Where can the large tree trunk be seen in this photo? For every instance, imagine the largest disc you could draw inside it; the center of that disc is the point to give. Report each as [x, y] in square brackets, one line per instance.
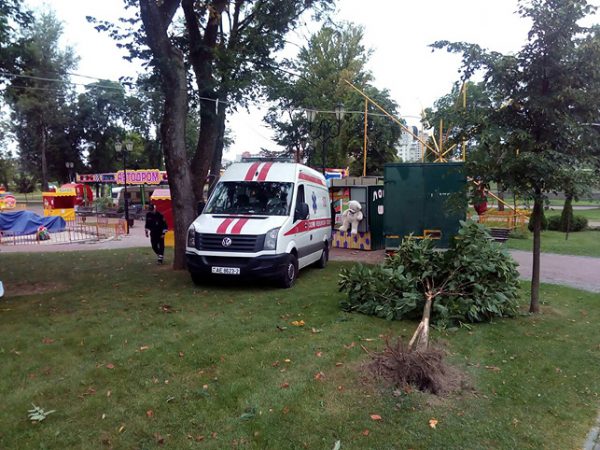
[538, 211]
[202, 57]
[501, 197]
[169, 61]
[205, 149]
[215, 167]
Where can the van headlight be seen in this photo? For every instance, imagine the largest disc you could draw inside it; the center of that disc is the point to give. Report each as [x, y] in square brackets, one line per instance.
[191, 237]
[271, 239]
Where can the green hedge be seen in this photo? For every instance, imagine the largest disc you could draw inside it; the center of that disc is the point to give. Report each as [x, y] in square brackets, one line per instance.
[579, 223]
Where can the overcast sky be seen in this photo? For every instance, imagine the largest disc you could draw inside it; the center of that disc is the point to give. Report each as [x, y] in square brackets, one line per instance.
[398, 32]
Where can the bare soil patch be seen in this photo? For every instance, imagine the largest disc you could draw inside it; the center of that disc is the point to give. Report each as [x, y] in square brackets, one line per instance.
[22, 289]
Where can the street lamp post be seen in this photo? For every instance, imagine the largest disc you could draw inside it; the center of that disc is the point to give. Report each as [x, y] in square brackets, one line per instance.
[125, 147]
[325, 129]
[69, 165]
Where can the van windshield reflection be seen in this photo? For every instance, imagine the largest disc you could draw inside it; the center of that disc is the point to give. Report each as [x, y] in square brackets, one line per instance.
[251, 197]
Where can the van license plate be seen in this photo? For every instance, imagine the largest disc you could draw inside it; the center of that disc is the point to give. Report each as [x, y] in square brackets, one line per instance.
[226, 270]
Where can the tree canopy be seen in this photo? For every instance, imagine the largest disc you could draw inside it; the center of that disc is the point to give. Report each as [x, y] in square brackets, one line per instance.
[541, 101]
[315, 79]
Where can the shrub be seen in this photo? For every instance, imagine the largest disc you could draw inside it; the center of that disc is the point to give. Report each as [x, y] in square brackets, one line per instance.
[479, 281]
[102, 203]
[518, 234]
[544, 223]
[579, 223]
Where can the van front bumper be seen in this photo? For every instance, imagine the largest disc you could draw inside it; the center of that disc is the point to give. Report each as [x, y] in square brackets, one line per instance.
[265, 266]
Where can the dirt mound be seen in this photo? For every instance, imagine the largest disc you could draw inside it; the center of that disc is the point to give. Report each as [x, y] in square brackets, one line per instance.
[423, 370]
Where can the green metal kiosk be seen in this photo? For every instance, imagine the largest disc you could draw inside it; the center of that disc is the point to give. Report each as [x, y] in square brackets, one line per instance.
[423, 200]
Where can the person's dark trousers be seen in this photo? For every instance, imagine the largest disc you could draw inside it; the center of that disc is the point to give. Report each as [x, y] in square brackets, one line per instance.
[158, 245]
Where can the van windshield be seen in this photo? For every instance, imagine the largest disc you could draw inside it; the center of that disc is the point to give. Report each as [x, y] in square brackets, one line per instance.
[251, 197]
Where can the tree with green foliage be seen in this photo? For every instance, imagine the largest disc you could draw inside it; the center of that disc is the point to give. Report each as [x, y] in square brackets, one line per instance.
[229, 45]
[541, 99]
[39, 96]
[101, 113]
[315, 79]
[474, 281]
[168, 61]
[14, 16]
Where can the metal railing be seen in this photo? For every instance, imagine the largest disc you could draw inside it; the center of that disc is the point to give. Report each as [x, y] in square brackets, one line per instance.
[82, 229]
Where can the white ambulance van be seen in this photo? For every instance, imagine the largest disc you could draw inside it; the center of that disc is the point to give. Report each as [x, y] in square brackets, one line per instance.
[263, 219]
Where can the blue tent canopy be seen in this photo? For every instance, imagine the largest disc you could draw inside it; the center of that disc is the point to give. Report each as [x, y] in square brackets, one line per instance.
[26, 222]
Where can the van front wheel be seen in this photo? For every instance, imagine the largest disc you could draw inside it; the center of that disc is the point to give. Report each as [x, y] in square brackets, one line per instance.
[196, 278]
[290, 272]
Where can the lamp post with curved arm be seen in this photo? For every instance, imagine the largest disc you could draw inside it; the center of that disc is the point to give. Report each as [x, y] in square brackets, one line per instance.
[324, 130]
[125, 147]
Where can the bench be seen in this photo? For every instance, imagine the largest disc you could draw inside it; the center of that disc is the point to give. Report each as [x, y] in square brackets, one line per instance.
[500, 234]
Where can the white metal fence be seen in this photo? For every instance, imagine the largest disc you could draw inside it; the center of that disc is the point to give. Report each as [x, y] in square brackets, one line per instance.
[85, 228]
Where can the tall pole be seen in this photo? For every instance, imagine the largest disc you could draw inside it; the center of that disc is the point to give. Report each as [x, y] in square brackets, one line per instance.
[126, 199]
[365, 140]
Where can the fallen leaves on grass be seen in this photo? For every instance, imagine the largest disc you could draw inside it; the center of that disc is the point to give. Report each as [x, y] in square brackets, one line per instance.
[110, 366]
[167, 308]
[47, 340]
[318, 354]
[493, 368]
[365, 432]
[143, 348]
[298, 323]
[349, 346]
[149, 414]
[376, 417]
[159, 439]
[285, 385]
[433, 423]
[319, 376]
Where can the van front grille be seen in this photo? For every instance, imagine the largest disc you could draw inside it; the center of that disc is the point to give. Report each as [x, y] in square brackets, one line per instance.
[239, 242]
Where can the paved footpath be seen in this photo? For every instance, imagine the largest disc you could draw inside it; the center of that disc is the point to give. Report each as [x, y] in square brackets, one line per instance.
[582, 272]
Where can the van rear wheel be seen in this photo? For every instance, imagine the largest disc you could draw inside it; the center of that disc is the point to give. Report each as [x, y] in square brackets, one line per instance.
[322, 262]
[290, 272]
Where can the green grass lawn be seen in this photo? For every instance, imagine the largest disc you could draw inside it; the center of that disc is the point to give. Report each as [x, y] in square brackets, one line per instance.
[132, 355]
[582, 202]
[590, 214]
[582, 243]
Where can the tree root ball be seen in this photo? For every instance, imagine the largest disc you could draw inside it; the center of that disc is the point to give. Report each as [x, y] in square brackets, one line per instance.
[424, 370]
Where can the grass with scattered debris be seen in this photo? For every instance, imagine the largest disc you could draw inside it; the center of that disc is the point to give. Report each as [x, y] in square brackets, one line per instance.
[132, 355]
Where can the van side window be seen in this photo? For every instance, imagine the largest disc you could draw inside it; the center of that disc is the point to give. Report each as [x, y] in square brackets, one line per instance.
[300, 197]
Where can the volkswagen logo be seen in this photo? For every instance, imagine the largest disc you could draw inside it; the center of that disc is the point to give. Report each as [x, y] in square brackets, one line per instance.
[226, 242]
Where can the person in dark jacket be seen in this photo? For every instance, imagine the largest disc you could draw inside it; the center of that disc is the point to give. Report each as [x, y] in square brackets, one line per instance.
[156, 227]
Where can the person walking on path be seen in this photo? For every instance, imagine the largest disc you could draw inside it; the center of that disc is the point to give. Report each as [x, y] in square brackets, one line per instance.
[156, 227]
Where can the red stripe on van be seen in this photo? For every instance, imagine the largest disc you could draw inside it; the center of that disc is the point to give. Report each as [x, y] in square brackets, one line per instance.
[262, 176]
[251, 171]
[310, 178]
[307, 225]
[237, 228]
[222, 229]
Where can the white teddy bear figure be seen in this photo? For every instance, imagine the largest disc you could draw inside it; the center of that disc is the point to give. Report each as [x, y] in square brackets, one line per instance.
[352, 217]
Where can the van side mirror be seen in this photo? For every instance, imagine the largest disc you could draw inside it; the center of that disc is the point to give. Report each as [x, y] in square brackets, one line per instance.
[301, 212]
[200, 207]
